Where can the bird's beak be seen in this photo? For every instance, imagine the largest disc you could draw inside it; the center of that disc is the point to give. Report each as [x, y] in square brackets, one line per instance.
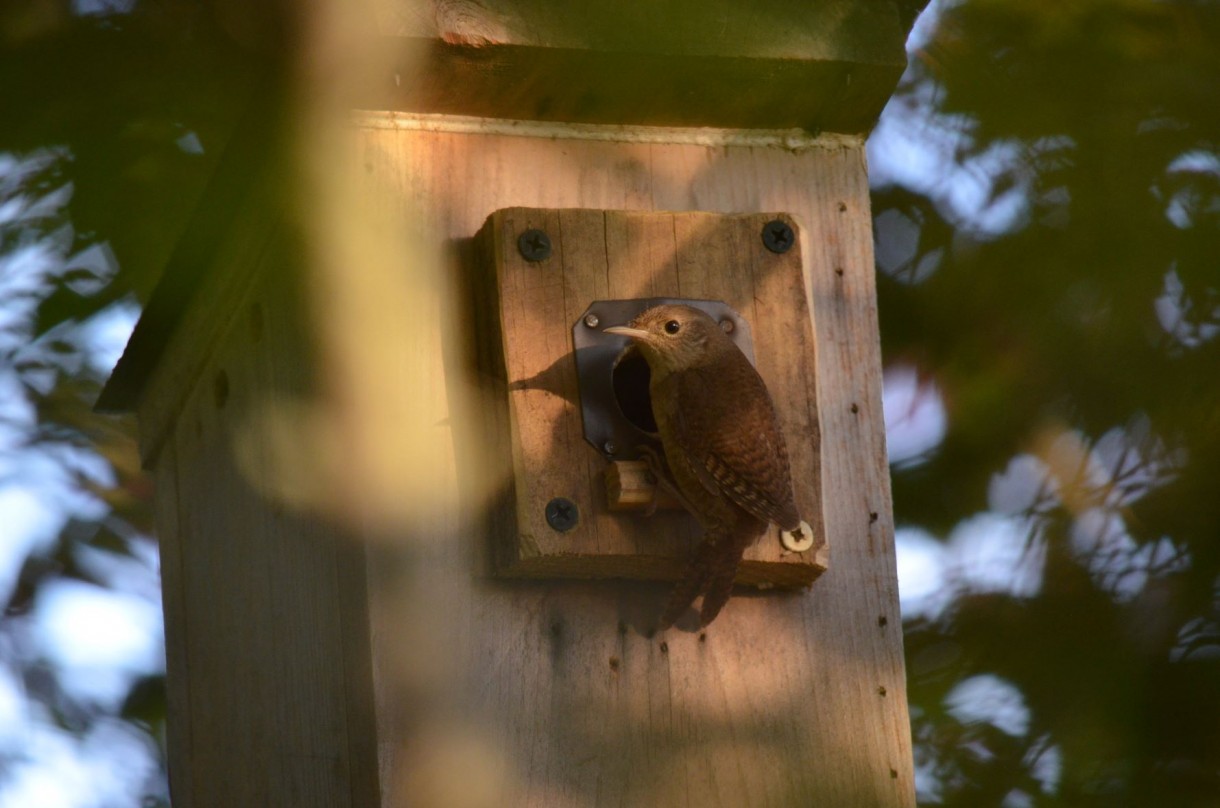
[626, 331]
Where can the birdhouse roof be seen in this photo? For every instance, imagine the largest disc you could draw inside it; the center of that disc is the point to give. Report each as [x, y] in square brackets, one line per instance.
[763, 64]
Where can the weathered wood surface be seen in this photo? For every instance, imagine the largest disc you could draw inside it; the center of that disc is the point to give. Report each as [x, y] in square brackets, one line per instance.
[788, 699]
[631, 486]
[553, 693]
[236, 193]
[824, 66]
[703, 256]
[173, 603]
[191, 344]
[268, 659]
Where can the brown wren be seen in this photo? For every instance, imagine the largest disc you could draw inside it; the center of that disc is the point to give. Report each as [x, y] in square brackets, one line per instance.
[723, 446]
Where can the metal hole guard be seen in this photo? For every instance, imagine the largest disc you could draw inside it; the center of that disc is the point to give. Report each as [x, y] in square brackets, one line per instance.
[597, 353]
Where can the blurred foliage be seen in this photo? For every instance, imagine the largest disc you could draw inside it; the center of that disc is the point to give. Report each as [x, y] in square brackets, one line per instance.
[1077, 343]
[115, 113]
[140, 103]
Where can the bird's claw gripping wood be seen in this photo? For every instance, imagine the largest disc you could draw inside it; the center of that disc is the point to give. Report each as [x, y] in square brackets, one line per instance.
[724, 449]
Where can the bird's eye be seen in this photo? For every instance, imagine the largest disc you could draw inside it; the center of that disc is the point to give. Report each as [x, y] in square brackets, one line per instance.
[672, 327]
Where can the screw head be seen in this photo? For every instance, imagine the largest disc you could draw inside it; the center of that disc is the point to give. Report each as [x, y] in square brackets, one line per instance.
[592, 320]
[727, 325]
[799, 540]
[610, 447]
[777, 236]
[562, 514]
[534, 245]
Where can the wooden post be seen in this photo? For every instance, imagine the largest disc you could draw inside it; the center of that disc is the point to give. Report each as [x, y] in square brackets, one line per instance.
[307, 667]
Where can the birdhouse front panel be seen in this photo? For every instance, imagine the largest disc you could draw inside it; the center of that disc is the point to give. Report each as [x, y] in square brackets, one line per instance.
[573, 506]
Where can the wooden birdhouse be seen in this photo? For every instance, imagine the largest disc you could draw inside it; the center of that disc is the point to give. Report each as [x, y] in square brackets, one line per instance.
[409, 544]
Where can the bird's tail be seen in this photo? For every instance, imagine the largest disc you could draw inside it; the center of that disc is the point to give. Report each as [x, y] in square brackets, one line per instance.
[690, 585]
[721, 574]
[710, 572]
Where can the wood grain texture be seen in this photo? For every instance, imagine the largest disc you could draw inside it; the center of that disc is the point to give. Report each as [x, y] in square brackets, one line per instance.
[631, 486]
[778, 29]
[268, 654]
[200, 326]
[173, 604]
[235, 192]
[788, 699]
[826, 66]
[705, 256]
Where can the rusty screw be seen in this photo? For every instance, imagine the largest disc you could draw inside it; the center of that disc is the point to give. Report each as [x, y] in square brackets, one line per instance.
[562, 514]
[534, 245]
[777, 236]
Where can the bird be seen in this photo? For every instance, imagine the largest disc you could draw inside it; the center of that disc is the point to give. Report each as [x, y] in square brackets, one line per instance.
[722, 444]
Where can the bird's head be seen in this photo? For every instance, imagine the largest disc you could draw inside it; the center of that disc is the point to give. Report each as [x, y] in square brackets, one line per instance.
[675, 337]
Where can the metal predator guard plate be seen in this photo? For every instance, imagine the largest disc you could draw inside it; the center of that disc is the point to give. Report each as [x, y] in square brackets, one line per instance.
[613, 378]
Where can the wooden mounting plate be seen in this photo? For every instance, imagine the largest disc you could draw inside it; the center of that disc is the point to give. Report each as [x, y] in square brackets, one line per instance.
[525, 312]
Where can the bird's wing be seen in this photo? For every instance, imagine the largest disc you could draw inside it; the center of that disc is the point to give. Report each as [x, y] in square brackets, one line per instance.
[734, 441]
[691, 438]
